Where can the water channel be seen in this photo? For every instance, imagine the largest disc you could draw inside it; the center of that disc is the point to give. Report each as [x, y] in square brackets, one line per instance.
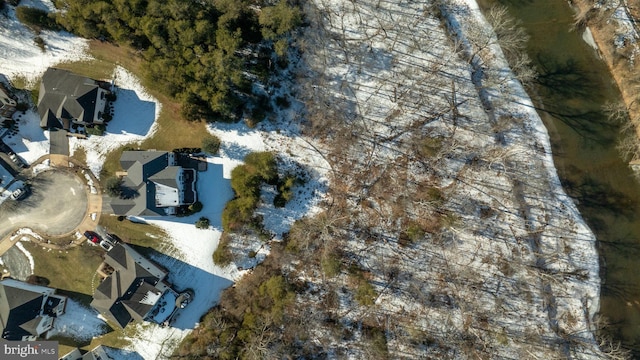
[572, 87]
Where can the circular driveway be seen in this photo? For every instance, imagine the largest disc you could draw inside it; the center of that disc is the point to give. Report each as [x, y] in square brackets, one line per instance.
[56, 205]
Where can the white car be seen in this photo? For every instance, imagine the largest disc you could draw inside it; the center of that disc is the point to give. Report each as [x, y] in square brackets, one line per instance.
[18, 194]
[106, 244]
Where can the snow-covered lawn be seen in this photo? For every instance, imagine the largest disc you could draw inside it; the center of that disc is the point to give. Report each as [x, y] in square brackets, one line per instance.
[78, 322]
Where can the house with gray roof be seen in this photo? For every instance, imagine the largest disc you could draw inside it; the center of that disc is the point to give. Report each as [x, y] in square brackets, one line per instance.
[154, 184]
[28, 311]
[66, 98]
[97, 353]
[134, 290]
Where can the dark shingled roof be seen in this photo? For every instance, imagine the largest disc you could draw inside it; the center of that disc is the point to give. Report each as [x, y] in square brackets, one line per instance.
[65, 96]
[119, 295]
[20, 308]
[144, 170]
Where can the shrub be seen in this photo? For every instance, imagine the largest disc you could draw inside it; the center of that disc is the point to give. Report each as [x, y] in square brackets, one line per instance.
[284, 190]
[331, 264]
[378, 341]
[245, 182]
[211, 144]
[222, 255]
[203, 223]
[113, 186]
[263, 164]
[195, 207]
[111, 97]
[413, 233]
[38, 280]
[40, 43]
[365, 293]
[97, 129]
[238, 212]
[22, 106]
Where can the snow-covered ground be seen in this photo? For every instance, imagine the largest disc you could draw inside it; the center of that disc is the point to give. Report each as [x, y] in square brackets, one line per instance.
[483, 273]
[78, 322]
[19, 54]
[189, 258]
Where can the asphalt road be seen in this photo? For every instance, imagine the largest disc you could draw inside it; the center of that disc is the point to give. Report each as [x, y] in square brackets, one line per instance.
[56, 205]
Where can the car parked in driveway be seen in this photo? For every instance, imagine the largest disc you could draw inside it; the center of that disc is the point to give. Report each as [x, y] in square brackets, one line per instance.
[184, 299]
[19, 194]
[92, 236]
[106, 244]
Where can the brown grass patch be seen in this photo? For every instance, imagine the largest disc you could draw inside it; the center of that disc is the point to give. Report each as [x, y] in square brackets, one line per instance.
[71, 270]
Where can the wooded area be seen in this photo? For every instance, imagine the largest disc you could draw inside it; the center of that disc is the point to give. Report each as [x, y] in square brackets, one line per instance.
[197, 51]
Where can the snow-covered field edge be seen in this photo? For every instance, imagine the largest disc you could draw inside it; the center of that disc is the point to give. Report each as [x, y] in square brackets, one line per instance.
[584, 252]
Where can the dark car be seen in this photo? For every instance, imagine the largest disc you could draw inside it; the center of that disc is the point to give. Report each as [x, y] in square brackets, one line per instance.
[184, 299]
[92, 236]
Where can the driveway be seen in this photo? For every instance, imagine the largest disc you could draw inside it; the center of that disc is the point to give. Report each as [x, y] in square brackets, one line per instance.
[56, 205]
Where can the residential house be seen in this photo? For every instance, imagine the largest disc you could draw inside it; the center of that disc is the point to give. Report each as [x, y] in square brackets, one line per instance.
[7, 104]
[97, 353]
[28, 311]
[154, 184]
[134, 291]
[66, 98]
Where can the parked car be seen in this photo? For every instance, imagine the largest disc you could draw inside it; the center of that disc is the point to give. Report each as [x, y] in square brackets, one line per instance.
[92, 236]
[19, 194]
[106, 244]
[184, 299]
[113, 238]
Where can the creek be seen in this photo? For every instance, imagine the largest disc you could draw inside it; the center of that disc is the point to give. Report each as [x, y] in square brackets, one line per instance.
[572, 88]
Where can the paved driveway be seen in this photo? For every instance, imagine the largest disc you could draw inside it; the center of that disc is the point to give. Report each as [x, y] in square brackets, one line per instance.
[57, 204]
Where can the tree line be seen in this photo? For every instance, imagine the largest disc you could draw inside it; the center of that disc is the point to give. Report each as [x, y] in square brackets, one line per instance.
[197, 51]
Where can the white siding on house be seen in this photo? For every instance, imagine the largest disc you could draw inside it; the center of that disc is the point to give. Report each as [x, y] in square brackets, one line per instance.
[101, 101]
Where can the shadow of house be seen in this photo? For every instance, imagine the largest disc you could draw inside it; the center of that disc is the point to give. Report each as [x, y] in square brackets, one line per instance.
[66, 98]
[27, 311]
[160, 184]
[135, 290]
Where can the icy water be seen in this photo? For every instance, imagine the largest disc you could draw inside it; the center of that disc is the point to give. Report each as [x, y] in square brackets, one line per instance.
[572, 87]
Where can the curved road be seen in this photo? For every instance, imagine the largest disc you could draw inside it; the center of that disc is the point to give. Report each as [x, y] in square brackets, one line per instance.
[57, 205]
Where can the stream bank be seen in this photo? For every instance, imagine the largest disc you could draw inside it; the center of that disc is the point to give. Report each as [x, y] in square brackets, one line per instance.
[624, 71]
[572, 87]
